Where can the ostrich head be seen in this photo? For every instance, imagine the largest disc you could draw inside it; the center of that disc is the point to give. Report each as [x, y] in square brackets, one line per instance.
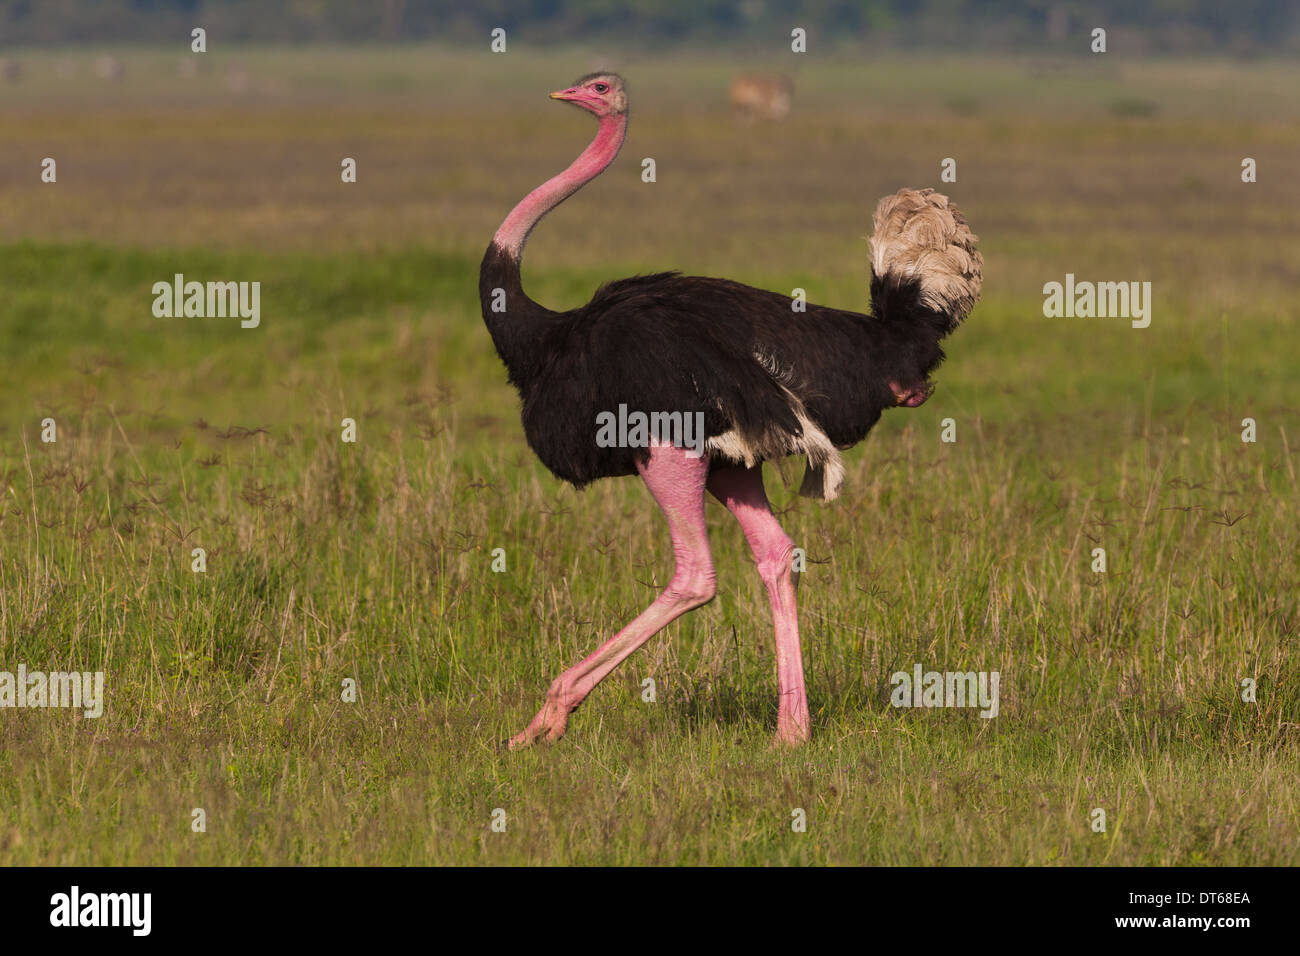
[926, 274]
[601, 93]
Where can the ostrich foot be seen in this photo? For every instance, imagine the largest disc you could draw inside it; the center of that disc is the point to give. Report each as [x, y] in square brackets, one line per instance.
[550, 724]
[791, 731]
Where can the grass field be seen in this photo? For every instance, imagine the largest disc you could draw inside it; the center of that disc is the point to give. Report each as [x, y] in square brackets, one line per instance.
[372, 561]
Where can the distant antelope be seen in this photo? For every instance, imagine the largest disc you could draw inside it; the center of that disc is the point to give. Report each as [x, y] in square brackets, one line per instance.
[238, 79]
[762, 96]
[10, 69]
[109, 68]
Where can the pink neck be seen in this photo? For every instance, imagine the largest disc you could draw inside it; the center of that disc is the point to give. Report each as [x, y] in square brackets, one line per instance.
[609, 140]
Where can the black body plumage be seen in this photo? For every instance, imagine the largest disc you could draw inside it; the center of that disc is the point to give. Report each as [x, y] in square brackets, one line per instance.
[736, 354]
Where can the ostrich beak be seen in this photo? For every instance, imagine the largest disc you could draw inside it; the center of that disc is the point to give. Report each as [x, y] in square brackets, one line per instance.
[578, 97]
[911, 396]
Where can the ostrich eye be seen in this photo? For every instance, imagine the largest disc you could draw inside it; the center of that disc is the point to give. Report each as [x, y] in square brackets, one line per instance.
[601, 88]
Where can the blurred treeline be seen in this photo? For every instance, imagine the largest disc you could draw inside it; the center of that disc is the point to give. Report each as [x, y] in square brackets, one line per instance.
[1239, 27]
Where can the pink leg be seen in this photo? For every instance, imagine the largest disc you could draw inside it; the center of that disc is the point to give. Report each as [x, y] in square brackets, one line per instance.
[677, 482]
[741, 490]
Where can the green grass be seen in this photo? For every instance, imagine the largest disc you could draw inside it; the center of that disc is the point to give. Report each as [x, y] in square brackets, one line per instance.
[372, 561]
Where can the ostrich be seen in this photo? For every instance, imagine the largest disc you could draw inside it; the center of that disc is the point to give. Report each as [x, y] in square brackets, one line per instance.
[765, 380]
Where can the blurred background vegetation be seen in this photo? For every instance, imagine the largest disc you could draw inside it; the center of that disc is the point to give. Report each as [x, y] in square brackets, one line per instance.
[1243, 27]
